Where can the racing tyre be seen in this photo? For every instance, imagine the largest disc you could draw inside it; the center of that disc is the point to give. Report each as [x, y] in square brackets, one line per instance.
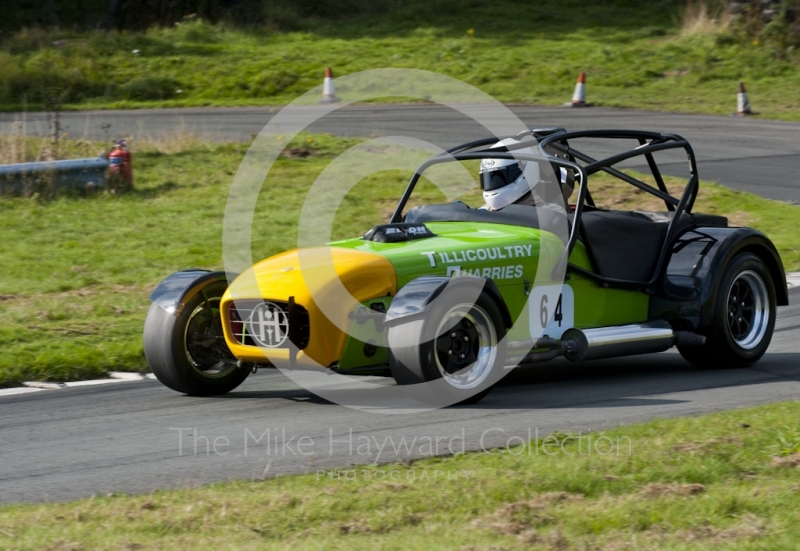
[462, 343]
[744, 317]
[187, 351]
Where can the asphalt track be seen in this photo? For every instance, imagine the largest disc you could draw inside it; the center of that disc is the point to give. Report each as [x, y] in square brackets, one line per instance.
[139, 436]
[750, 154]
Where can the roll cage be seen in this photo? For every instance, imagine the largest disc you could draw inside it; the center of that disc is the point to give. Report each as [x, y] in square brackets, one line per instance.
[583, 165]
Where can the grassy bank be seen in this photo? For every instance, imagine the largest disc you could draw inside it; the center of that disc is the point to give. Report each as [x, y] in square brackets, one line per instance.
[78, 270]
[722, 481]
[517, 52]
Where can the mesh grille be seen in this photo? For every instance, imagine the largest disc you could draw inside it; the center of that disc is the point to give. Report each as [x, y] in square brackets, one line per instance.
[240, 311]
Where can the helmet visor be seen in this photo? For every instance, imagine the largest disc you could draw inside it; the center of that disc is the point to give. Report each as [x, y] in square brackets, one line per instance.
[495, 179]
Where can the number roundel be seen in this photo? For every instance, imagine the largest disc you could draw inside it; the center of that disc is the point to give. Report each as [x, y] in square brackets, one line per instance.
[552, 310]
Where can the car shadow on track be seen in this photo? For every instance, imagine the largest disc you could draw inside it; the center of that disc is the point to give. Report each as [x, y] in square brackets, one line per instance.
[620, 382]
[626, 382]
[297, 396]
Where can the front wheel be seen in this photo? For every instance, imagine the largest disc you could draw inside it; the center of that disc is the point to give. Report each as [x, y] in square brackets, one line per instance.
[187, 351]
[743, 319]
[459, 341]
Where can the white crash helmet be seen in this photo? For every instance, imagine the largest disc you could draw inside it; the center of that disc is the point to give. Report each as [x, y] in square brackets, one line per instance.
[505, 181]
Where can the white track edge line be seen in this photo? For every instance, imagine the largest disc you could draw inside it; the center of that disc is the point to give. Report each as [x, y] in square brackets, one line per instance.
[93, 382]
[18, 390]
[127, 375]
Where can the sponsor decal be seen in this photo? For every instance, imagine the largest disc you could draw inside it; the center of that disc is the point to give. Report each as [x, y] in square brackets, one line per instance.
[493, 272]
[485, 253]
[505, 252]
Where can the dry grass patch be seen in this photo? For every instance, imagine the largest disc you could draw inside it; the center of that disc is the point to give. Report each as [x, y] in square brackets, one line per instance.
[300, 152]
[703, 536]
[788, 461]
[685, 447]
[354, 528]
[750, 527]
[522, 518]
[182, 138]
[705, 17]
[655, 490]
[613, 194]
[19, 147]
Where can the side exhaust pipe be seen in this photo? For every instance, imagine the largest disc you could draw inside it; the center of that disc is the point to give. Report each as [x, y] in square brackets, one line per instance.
[621, 340]
[605, 342]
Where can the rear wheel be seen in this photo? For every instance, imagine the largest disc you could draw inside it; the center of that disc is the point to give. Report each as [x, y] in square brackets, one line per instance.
[187, 351]
[743, 319]
[461, 343]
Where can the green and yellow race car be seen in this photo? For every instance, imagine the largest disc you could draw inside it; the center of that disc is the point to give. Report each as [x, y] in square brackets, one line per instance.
[450, 293]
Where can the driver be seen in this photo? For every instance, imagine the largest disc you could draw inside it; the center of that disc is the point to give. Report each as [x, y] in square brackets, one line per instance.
[511, 182]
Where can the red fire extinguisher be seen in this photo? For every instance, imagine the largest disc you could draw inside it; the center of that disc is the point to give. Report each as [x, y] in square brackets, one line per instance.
[120, 163]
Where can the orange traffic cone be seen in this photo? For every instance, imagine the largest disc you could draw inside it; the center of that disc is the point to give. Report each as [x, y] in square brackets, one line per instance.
[328, 90]
[742, 103]
[579, 96]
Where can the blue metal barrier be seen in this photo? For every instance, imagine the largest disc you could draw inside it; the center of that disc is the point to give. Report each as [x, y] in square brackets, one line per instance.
[26, 178]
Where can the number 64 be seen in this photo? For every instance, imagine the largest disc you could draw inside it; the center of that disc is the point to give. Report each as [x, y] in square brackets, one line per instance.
[544, 315]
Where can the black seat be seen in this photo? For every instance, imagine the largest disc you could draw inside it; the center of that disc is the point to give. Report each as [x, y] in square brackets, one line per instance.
[626, 244]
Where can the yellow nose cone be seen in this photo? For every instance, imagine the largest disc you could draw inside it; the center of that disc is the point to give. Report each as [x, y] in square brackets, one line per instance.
[329, 282]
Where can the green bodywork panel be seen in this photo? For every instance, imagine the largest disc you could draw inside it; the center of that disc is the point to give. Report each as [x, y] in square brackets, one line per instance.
[367, 344]
[515, 258]
[600, 307]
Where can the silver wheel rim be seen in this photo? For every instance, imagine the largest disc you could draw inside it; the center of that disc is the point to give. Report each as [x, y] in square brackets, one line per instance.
[208, 330]
[748, 310]
[479, 350]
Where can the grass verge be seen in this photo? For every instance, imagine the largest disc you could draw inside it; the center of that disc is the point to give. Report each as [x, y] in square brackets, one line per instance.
[77, 271]
[635, 57]
[723, 481]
